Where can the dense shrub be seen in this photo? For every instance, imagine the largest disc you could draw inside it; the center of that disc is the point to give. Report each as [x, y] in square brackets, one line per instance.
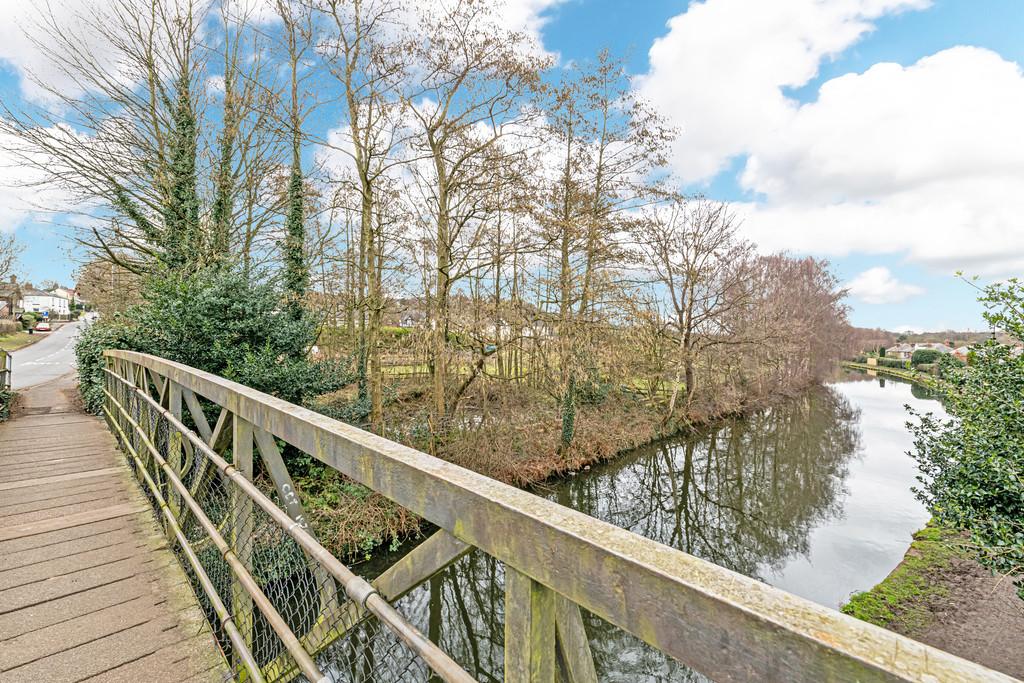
[893, 363]
[9, 326]
[28, 319]
[926, 356]
[6, 402]
[109, 333]
[930, 368]
[218, 321]
[973, 464]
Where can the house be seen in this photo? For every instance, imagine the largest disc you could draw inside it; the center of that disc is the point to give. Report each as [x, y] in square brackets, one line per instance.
[67, 292]
[900, 351]
[906, 351]
[960, 353]
[38, 301]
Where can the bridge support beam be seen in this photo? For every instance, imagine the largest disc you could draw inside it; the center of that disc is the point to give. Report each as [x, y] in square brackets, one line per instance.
[529, 630]
[577, 661]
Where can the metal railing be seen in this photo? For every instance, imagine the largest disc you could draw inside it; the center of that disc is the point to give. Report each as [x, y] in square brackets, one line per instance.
[276, 596]
[279, 600]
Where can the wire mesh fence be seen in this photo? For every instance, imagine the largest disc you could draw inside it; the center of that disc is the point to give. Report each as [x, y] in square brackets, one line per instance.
[227, 530]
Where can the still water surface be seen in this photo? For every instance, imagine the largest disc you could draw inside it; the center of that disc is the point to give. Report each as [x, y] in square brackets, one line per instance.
[813, 496]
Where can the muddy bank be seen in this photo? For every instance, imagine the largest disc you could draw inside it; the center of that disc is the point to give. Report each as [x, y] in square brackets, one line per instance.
[941, 596]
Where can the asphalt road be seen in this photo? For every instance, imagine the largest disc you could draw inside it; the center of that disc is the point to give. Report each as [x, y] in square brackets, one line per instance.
[47, 359]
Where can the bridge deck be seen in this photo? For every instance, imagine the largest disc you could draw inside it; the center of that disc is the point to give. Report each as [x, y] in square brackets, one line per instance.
[89, 589]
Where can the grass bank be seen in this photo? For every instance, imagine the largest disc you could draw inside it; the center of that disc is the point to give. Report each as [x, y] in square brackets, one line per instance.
[940, 595]
[904, 601]
[19, 340]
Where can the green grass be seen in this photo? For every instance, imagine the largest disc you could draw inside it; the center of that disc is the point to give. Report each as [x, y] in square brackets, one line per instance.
[18, 340]
[901, 601]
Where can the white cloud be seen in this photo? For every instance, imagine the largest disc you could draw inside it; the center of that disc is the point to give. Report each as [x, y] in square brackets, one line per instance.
[951, 116]
[90, 32]
[721, 70]
[528, 16]
[19, 23]
[879, 286]
[924, 160]
[23, 192]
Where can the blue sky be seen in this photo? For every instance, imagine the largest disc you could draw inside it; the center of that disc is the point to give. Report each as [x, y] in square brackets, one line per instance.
[881, 134]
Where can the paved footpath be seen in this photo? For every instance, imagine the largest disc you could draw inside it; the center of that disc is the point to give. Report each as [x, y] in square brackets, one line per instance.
[89, 589]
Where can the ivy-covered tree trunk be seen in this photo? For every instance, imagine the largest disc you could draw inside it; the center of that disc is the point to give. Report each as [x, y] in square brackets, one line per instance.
[568, 414]
[182, 247]
[295, 266]
[223, 201]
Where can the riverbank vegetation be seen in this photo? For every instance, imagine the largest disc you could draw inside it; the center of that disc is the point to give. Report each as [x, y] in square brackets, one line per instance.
[484, 255]
[903, 601]
[972, 464]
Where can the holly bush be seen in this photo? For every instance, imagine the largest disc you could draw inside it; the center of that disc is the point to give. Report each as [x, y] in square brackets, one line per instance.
[216, 320]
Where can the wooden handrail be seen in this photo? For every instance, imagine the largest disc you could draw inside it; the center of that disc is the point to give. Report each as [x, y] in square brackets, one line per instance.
[721, 623]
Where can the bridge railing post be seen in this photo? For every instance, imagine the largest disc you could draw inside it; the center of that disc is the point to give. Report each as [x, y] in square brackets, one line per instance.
[529, 630]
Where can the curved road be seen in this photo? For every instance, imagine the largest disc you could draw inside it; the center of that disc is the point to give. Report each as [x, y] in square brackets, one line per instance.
[47, 359]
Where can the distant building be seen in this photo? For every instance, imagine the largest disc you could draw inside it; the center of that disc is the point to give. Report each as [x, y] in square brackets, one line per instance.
[906, 351]
[900, 351]
[38, 301]
[66, 292]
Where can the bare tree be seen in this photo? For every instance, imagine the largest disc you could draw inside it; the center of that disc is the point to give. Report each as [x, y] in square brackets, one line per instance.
[471, 82]
[10, 250]
[610, 149]
[135, 146]
[695, 253]
[367, 60]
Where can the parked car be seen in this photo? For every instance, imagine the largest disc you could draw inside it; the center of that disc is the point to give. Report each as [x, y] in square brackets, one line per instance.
[42, 326]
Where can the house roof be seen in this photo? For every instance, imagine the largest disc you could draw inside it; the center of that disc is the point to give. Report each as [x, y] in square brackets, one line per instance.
[935, 346]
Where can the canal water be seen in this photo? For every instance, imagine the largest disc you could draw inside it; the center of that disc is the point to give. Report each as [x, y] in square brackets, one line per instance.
[813, 496]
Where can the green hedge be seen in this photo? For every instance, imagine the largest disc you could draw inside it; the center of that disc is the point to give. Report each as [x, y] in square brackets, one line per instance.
[922, 356]
[894, 363]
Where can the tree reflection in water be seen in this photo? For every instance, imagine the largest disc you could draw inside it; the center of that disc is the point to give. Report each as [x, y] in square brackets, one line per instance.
[744, 495]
